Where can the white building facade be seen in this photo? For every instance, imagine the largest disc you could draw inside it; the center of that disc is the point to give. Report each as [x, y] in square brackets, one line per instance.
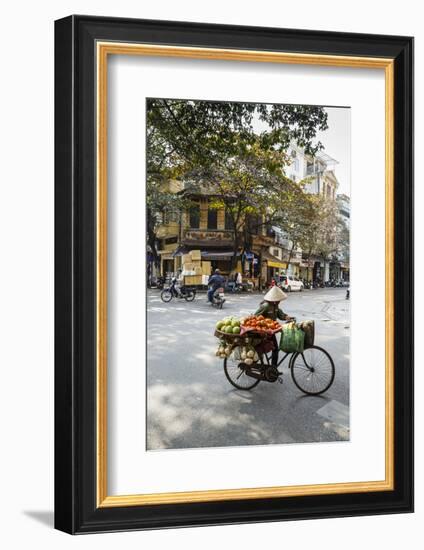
[320, 172]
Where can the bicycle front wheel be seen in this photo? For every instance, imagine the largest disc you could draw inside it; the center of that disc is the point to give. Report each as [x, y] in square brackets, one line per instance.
[312, 371]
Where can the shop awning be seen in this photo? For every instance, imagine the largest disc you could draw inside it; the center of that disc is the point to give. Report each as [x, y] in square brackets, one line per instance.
[273, 261]
[280, 265]
[213, 254]
[180, 251]
[208, 243]
[217, 255]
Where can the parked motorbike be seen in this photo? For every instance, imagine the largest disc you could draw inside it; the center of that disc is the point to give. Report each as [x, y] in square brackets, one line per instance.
[158, 283]
[306, 284]
[234, 287]
[176, 291]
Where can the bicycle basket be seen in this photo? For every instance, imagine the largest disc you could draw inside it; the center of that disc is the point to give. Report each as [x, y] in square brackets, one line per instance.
[308, 328]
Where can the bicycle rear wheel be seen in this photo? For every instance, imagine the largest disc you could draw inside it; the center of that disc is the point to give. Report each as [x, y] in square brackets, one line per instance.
[312, 371]
[234, 369]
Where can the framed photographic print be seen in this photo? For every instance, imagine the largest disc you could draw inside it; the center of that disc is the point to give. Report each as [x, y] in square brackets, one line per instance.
[234, 274]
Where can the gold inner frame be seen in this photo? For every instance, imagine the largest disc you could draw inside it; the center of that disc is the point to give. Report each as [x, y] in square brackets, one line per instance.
[104, 49]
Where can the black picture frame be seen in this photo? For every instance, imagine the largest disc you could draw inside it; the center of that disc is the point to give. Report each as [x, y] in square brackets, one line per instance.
[76, 510]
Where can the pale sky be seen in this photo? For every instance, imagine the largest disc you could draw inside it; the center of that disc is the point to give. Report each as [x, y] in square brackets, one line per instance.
[336, 141]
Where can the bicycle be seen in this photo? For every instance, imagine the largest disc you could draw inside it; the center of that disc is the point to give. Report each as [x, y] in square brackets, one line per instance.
[312, 370]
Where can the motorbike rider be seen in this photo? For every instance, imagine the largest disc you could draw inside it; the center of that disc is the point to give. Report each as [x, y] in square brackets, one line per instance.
[216, 281]
[177, 286]
[270, 309]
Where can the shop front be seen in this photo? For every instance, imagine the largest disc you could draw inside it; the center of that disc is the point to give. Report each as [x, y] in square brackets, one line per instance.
[222, 260]
[215, 246]
[344, 272]
[335, 271]
[274, 267]
[305, 271]
[293, 269]
[168, 264]
[317, 272]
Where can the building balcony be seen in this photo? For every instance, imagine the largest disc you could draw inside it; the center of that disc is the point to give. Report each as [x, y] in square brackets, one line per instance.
[263, 240]
[168, 230]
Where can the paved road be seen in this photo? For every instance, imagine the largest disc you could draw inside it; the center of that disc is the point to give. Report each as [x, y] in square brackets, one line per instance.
[191, 403]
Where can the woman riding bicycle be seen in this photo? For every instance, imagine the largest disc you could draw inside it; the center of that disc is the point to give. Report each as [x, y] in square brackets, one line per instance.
[270, 309]
[312, 368]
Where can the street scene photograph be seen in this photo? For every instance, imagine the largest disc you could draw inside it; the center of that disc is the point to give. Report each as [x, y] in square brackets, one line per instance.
[248, 274]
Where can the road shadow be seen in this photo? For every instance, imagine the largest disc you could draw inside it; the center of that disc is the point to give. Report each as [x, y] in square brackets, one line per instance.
[191, 416]
[190, 404]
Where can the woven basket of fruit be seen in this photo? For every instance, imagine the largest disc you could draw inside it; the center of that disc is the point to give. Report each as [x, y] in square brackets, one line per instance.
[228, 328]
[261, 325]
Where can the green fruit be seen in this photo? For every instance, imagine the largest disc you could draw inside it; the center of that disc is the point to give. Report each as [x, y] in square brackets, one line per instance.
[219, 324]
[235, 323]
[236, 330]
[228, 322]
[229, 329]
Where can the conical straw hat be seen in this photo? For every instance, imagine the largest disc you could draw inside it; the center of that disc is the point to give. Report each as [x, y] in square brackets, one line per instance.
[275, 294]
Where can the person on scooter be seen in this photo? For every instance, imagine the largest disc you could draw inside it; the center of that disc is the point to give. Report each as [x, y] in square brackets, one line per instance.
[270, 309]
[216, 281]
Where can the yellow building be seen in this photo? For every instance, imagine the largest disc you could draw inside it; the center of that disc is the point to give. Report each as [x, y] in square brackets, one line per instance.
[206, 228]
[201, 227]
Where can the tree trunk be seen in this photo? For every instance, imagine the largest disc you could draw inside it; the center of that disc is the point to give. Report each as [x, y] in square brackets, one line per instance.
[308, 260]
[233, 262]
[290, 256]
[151, 239]
[236, 223]
[260, 281]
